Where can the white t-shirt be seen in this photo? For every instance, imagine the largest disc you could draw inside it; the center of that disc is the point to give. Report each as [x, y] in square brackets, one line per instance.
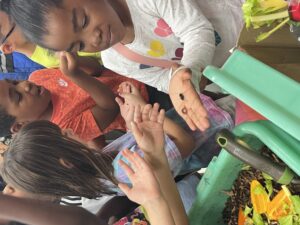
[195, 33]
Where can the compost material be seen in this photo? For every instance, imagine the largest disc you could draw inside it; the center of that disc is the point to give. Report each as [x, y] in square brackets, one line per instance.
[239, 195]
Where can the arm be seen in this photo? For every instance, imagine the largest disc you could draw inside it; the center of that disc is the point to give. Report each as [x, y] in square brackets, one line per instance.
[184, 142]
[148, 132]
[90, 65]
[106, 110]
[146, 190]
[42, 213]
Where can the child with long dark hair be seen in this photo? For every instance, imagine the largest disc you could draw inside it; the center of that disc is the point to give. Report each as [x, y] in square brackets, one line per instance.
[147, 190]
[73, 169]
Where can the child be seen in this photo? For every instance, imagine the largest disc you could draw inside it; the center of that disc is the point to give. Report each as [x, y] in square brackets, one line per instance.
[147, 190]
[89, 110]
[13, 40]
[164, 29]
[74, 169]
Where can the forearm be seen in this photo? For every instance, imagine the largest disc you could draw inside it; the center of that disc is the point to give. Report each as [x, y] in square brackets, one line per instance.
[159, 212]
[102, 95]
[42, 213]
[90, 65]
[170, 193]
[184, 141]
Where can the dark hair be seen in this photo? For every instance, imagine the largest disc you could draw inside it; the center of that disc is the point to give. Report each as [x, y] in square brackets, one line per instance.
[32, 164]
[6, 122]
[31, 16]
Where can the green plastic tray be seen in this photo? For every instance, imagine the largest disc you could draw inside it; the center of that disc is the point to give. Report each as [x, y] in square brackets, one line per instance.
[276, 97]
[223, 170]
[269, 92]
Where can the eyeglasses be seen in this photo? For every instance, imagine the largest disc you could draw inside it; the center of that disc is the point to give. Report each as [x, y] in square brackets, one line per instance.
[8, 34]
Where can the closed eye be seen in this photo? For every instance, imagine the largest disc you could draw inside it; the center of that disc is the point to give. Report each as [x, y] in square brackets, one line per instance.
[17, 97]
[81, 46]
[85, 21]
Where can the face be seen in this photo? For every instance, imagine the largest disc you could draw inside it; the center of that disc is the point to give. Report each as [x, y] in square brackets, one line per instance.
[90, 26]
[24, 100]
[16, 38]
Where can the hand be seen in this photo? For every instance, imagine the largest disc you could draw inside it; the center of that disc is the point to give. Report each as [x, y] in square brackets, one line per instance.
[132, 98]
[69, 64]
[126, 110]
[147, 129]
[131, 94]
[145, 187]
[186, 101]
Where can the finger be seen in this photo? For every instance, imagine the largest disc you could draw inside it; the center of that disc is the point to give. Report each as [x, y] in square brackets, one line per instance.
[131, 112]
[188, 120]
[124, 95]
[119, 101]
[205, 123]
[137, 133]
[133, 88]
[187, 74]
[127, 88]
[154, 112]
[146, 112]
[141, 162]
[129, 171]
[196, 119]
[175, 66]
[131, 157]
[137, 114]
[161, 116]
[125, 188]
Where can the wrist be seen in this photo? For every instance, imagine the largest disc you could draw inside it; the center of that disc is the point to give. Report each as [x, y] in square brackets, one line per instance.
[153, 202]
[157, 162]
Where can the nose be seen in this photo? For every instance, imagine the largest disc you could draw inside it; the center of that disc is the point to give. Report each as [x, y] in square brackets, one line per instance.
[26, 86]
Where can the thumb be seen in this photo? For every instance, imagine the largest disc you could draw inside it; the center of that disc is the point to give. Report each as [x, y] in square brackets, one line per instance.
[124, 188]
[72, 63]
[63, 62]
[119, 101]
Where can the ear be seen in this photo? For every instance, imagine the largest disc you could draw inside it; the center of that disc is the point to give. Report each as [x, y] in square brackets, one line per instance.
[9, 190]
[7, 48]
[67, 132]
[17, 126]
[65, 163]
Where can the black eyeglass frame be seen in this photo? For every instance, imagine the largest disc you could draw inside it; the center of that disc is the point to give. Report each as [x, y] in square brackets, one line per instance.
[8, 34]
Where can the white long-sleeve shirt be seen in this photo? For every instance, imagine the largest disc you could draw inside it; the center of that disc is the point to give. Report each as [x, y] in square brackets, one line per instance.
[196, 33]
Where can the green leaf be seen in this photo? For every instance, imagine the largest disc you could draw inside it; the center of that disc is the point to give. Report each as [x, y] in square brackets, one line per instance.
[267, 176]
[257, 219]
[296, 203]
[247, 211]
[269, 187]
[287, 220]
[259, 190]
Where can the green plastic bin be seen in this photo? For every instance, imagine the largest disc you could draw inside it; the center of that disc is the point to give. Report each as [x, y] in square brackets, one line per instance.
[273, 95]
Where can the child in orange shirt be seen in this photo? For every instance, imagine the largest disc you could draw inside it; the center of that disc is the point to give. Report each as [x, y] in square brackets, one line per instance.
[75, 101]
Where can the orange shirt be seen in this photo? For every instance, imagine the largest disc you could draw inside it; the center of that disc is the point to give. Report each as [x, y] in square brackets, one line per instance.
[72, 105]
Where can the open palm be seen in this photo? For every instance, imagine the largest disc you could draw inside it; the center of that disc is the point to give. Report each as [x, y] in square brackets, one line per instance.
[186, 100]
[148, 128]
[145, 187]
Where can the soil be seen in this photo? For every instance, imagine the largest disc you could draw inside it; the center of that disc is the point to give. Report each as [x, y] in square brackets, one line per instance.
[239, 195]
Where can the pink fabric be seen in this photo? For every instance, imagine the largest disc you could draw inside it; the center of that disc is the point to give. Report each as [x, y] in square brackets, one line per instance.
[135, 57]
[244, 113]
